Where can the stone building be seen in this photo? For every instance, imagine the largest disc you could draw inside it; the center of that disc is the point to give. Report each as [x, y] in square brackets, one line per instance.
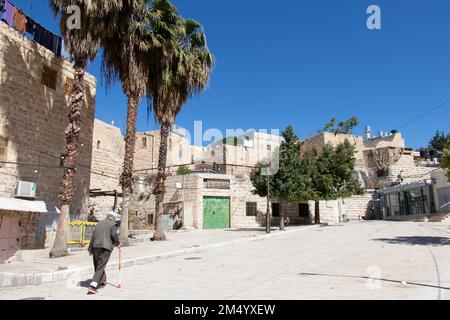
[25, 225]
[429, 197]
[240, 154]
[385, 164]
[212, 201]
[219, 177]
[180, 150]
[108, 148]
[380, 161]
[34, 93]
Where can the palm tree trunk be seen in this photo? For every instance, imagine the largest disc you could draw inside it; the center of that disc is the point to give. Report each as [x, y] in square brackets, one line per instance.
[128, 165]
[160, 188]
[70, 157]
[282, 216]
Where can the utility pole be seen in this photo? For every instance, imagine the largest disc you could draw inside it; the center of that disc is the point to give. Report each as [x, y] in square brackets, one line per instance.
[268, 222]
[115, 200]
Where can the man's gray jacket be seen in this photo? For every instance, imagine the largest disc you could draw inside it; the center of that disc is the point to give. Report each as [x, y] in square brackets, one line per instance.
[105, 235]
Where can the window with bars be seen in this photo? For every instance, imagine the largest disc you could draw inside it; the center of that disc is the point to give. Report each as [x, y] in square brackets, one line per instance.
[68, 87]
[49, 77]
[3, 150]
[250, 210]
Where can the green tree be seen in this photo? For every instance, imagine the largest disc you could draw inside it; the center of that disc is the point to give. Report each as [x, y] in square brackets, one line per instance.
[439, 141]
[174, 77]
[135, 30]
[304, 178]
[343, 127]
[182, 171]
[82, 44]
[335, 169]
[446, 158]
[291, 182]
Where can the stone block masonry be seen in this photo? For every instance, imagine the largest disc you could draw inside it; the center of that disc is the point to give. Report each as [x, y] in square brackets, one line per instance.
[34, 94]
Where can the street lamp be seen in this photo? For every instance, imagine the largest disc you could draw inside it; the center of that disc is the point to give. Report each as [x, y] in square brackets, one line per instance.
[266, 173]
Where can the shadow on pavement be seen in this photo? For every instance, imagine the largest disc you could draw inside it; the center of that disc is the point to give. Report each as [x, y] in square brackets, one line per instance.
[85, 283]
[370, 278]
[251, 229]
[418, 241]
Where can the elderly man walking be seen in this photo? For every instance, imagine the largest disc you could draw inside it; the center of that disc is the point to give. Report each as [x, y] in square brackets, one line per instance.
[103, 241]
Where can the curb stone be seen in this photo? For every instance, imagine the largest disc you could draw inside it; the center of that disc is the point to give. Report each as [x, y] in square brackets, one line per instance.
[9, 279]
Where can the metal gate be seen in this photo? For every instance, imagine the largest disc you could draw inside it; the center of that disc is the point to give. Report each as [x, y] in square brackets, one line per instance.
[216, 213]
[80, 233]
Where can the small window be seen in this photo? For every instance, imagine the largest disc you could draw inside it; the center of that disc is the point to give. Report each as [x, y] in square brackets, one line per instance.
[303, 210]
[250, 210]
[269, 147]
[49, 77]
[144, 142]
[382, 173]
[68, 87]
[98, 144]
[3, 150]
[275, 209]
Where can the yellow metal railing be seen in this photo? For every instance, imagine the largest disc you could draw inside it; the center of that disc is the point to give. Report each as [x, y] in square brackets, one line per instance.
[80, 232]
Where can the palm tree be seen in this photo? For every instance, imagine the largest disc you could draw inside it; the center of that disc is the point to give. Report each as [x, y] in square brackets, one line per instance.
[174, 77]
[82, 44]
[125, 57]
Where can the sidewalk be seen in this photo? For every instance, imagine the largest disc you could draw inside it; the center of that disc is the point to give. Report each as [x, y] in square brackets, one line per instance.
[37, 268]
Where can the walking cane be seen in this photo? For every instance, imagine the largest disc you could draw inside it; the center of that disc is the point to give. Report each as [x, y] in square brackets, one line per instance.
[120, 268]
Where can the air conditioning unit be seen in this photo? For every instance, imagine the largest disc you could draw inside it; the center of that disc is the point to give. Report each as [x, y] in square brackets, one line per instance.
[25, 189]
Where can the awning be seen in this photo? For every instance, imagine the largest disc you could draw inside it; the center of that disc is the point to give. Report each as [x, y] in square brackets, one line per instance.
[27, 206]
[404, 187]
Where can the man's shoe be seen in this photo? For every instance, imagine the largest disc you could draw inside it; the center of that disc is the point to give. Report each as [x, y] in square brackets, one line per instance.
[101, 286]
[92, 290]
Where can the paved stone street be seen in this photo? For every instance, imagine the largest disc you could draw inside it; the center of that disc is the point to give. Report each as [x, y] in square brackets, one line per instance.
[368, 260]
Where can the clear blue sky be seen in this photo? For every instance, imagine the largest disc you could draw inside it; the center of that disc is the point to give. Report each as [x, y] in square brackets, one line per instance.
[302, 62]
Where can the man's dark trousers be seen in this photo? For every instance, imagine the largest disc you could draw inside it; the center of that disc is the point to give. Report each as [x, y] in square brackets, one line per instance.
[101, 257]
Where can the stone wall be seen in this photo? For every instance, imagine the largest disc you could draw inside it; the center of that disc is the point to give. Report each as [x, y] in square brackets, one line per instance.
[33, 118]
[316, 144]
[357, 207]
[250, 150]
[180, 151]
[330, 212]
[108, 148]
[190, 189]
[441, 190]
[393, 140]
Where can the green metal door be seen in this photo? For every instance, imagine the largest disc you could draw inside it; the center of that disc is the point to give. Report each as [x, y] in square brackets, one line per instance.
[216, 213]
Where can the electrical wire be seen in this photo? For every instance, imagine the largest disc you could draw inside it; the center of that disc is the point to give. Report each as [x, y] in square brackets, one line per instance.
[55, 167]
[424, 114]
